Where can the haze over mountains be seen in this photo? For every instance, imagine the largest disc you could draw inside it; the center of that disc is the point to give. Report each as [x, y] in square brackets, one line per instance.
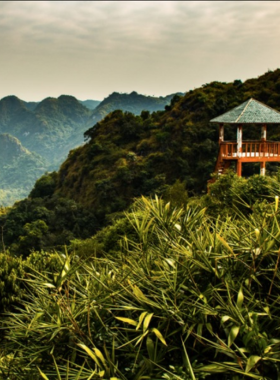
[44, 132]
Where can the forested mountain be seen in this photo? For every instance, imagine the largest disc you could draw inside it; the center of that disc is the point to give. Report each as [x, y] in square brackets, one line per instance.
[19, 169]
[133, 102]
[52, 127]
[90, 104]
[129, 155]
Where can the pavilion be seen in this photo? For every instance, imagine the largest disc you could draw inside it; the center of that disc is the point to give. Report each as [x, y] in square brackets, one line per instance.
[250, 112]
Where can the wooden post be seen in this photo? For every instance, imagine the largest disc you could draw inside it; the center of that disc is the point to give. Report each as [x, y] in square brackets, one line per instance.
[239, 168]
[262, 171]
[221, 133]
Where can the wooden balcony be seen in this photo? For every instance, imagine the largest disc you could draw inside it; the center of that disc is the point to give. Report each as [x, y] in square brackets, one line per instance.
[252, 151]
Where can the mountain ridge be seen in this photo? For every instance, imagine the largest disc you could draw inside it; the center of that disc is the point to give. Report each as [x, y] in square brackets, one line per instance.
[54, 126]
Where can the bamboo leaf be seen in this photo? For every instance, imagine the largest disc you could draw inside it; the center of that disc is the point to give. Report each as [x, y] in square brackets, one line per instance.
[188, 361]
[139, 294]
[240, 298]
[171, 263]
[213, 368]
[159, 336]
[225, 244]
[48, 285]
[225, 318]
[99, 354]
[42, 374]
[147, 321]
[127, 320]
[90, 353]
[252, 361]
[233, 334]
[141, 338]
[142, 316]
[222, 367]
[150, 347]
[56, 367]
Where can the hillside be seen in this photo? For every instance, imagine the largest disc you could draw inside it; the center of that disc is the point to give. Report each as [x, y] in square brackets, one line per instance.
[52, 127]
[129, 155]
[19, 169]
[133, 102]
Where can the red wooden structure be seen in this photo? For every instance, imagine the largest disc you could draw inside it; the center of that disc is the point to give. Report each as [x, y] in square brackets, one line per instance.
[239, 151]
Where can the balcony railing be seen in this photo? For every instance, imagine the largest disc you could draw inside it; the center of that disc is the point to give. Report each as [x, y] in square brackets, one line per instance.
[250, 149]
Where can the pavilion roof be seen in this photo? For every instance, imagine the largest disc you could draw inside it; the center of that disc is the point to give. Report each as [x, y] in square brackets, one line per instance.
[250, 112]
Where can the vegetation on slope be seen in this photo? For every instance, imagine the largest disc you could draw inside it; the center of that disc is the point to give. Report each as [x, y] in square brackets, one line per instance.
[186, 296]
[53, 127]
[49, 128]
[14, 181]
[129, 155]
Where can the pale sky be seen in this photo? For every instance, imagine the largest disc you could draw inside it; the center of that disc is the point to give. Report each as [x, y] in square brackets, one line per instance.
[90, 49]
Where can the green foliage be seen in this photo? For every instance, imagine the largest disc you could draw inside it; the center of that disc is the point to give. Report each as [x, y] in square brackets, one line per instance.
[33, 236]
[45, 223]
[44, 186]
[11, 270]
[177, 194]
[230, 193]
[15, 273]
[187, 297]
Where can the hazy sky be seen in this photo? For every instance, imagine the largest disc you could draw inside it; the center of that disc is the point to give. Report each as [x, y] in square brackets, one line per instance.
[89, 49]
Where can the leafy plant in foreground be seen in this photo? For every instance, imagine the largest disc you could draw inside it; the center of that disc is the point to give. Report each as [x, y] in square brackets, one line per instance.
[188, 297]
